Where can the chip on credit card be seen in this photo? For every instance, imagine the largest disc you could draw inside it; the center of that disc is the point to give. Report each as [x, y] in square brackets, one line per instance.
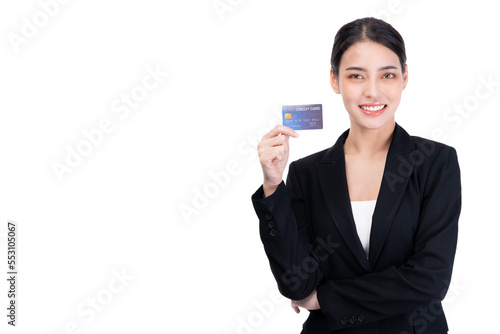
[303, 116]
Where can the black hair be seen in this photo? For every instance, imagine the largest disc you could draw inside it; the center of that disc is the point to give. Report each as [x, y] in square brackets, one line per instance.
[367, 29]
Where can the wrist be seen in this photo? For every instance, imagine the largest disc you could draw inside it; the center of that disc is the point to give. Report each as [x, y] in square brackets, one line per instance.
[269, 188]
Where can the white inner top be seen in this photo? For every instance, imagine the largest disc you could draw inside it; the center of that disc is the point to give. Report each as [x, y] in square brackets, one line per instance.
[363, 212]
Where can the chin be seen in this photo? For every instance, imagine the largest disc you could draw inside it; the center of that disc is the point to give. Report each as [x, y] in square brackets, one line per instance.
[374, 122]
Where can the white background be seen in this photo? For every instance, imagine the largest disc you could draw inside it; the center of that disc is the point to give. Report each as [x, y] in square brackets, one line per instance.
[119, 209]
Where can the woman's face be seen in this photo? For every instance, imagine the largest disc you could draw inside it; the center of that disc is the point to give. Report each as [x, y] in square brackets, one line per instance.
[370, 81]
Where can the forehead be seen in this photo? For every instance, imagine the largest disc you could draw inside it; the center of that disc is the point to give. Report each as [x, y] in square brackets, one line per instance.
[369, 55]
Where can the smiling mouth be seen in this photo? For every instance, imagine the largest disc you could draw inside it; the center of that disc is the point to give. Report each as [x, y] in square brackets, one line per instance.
[373, 110]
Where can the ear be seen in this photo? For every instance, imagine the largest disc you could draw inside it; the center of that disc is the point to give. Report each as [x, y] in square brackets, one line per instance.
[334, 82]
[405, 77]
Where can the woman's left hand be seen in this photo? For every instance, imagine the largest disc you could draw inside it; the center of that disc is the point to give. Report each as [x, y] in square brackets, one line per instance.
[310, 303]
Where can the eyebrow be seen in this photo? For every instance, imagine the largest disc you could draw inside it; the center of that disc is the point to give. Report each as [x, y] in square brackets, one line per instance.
[355, 68]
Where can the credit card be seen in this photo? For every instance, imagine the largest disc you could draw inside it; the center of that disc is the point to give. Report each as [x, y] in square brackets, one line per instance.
[303, 116]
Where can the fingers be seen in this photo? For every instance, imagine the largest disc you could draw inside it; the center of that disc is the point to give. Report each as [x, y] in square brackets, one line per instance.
[275, 147]
[273, 152]
[269, 154]
[273, 141]
[281, 129]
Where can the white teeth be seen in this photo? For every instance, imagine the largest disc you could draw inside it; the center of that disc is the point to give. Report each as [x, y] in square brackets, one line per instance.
[373, 108]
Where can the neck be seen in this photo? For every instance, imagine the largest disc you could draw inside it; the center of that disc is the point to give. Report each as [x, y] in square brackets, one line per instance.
[368, 141]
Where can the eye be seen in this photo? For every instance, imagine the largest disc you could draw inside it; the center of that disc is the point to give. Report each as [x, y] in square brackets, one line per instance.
[389, 76]
[355, 76]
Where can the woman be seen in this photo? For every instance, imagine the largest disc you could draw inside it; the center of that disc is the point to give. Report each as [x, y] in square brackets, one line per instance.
[364, 233]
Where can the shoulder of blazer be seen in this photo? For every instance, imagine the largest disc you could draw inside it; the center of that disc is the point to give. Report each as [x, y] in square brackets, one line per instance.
[401, 143]
[404, 148]
[430, 153]
[430, 160]
[430, 147]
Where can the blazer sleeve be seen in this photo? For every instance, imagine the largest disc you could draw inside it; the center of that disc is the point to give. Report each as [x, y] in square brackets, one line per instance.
[424, 279]
[286, 238]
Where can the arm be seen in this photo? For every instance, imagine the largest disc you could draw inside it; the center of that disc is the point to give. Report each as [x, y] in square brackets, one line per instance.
[284, 233]
[425, 277]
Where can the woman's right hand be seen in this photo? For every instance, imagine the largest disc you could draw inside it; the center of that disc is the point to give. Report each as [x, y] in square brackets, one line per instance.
[273, 153]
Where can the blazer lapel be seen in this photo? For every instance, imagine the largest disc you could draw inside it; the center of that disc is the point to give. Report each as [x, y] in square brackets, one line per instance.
[332, 174]
[398, 169]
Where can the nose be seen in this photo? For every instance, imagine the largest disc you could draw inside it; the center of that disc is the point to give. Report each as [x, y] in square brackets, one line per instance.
[372, 89]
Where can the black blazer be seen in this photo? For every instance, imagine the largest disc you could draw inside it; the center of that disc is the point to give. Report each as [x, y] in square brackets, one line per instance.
[310, 238]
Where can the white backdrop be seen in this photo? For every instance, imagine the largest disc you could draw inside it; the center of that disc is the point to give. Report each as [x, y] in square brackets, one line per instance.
[127, 145]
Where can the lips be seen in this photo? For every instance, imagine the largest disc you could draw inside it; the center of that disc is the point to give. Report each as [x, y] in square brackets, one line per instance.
[373, 109]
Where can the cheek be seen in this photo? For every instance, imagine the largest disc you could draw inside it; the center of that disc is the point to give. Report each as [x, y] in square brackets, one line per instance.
[350, 93]
[394, 90]
[394, 94]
